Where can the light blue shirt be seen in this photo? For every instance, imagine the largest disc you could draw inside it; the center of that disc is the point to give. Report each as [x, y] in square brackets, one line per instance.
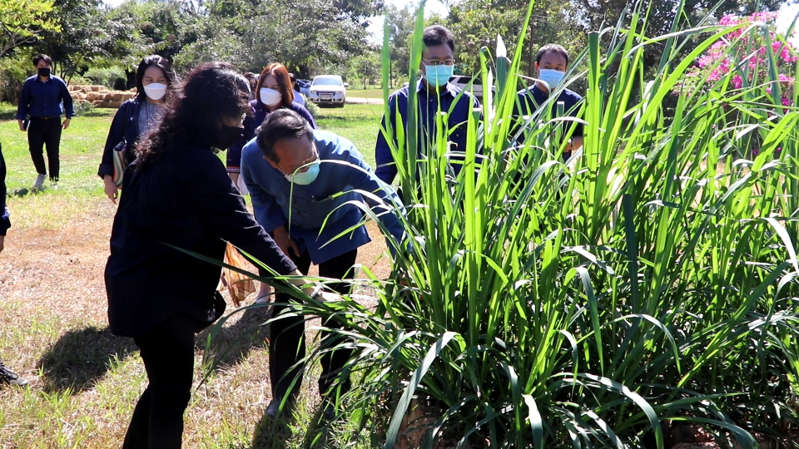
[315, 214]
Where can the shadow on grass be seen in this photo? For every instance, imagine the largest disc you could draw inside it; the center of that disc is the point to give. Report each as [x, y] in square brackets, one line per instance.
[80, 357]
[277, 433]
[273, 433]
[232, 344]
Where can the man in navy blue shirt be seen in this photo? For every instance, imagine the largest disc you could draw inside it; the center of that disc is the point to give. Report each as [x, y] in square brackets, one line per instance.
[6, 375]
[40, 105]
[551, 63]
[435, 94]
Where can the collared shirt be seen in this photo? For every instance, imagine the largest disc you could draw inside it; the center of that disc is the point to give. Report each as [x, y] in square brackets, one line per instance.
[43, 99]
[428, 105]
[5, 221]
[317, 213]
[529, 100]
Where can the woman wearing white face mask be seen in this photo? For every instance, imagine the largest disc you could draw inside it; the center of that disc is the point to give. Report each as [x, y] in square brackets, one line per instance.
[155, 80]
[272, 92]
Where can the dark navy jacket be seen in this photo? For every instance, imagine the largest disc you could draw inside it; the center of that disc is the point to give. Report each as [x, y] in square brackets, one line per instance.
[529, 100]
[5, 221]
[124, 126]
[428, 106]
[251, 123]
[40, 99]
[184, 199]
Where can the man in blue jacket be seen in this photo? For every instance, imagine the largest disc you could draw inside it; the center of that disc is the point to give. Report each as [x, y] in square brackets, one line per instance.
[303, 183]
[434, 93]
[40, 105]
[6, 375]
[551, 64]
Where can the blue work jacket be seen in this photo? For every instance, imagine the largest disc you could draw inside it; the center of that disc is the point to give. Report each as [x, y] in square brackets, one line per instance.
[315, 214]
[448, 100]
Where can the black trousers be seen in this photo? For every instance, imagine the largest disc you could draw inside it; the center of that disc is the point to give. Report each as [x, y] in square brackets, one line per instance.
[287, 343]
[168, 355]
[45, 132]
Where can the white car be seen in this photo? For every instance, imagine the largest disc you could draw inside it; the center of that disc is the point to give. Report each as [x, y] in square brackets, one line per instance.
[328, 90]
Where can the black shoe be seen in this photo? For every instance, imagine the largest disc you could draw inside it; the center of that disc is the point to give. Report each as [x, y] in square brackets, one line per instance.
[9, 377]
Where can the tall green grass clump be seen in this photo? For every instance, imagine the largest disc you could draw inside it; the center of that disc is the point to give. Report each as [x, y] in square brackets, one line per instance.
[648, 280]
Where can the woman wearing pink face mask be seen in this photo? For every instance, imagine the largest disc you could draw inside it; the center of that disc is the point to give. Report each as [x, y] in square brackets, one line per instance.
[272, 92]
[155, 80]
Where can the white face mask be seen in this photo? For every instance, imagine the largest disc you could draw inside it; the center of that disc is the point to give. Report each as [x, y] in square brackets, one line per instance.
[270, 97]
[155, 91]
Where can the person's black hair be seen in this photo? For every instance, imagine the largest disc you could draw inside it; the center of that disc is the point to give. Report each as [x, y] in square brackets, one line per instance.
[438, 35]
[212, 92]
[554, 48]
[42, 57]
[281, 124]
[154, 61]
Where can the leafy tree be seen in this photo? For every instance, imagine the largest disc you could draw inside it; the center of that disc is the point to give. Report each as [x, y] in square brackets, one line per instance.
[366, 68]
[401, 23]
[85, 36]
[476, 23]
[593, 14]
[23, 21]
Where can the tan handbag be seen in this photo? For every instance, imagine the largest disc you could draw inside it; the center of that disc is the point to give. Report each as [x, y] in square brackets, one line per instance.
[237, 284]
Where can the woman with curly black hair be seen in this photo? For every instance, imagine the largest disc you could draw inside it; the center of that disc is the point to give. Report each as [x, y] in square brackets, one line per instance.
[177, 197]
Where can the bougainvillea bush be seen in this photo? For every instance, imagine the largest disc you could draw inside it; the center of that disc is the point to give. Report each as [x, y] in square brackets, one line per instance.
[747, 57]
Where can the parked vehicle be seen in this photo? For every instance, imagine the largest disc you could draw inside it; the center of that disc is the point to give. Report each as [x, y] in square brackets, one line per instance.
[328, 90]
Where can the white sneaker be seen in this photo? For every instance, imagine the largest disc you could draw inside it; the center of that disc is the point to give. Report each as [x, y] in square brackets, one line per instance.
[37, 185]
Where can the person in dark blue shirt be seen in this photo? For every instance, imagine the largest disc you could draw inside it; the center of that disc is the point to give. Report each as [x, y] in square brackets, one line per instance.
[551, 63]
[435, 93]
[40, 107]
[6, 375]
[155, 83]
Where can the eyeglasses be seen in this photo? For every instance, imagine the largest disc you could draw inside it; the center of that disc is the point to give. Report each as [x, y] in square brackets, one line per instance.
[449, 61]
[305, 165]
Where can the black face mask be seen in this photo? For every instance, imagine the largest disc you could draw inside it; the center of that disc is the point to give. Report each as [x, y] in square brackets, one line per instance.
[44, 71]
[229, 135]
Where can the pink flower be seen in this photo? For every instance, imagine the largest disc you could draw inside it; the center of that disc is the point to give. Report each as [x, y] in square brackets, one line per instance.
[786, 101]
[729, 19]
[737, 82]
[785, 79]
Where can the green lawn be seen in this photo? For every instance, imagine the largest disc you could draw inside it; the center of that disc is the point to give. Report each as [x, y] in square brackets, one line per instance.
[82, 143]
[357, 122]
[375, 92]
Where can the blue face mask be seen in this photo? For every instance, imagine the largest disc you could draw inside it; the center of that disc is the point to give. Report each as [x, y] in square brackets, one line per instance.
[551, 77]
[438, 75]
[306, 177]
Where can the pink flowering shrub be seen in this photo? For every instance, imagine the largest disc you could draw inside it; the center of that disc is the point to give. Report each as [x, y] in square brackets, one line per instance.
[742, 55]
